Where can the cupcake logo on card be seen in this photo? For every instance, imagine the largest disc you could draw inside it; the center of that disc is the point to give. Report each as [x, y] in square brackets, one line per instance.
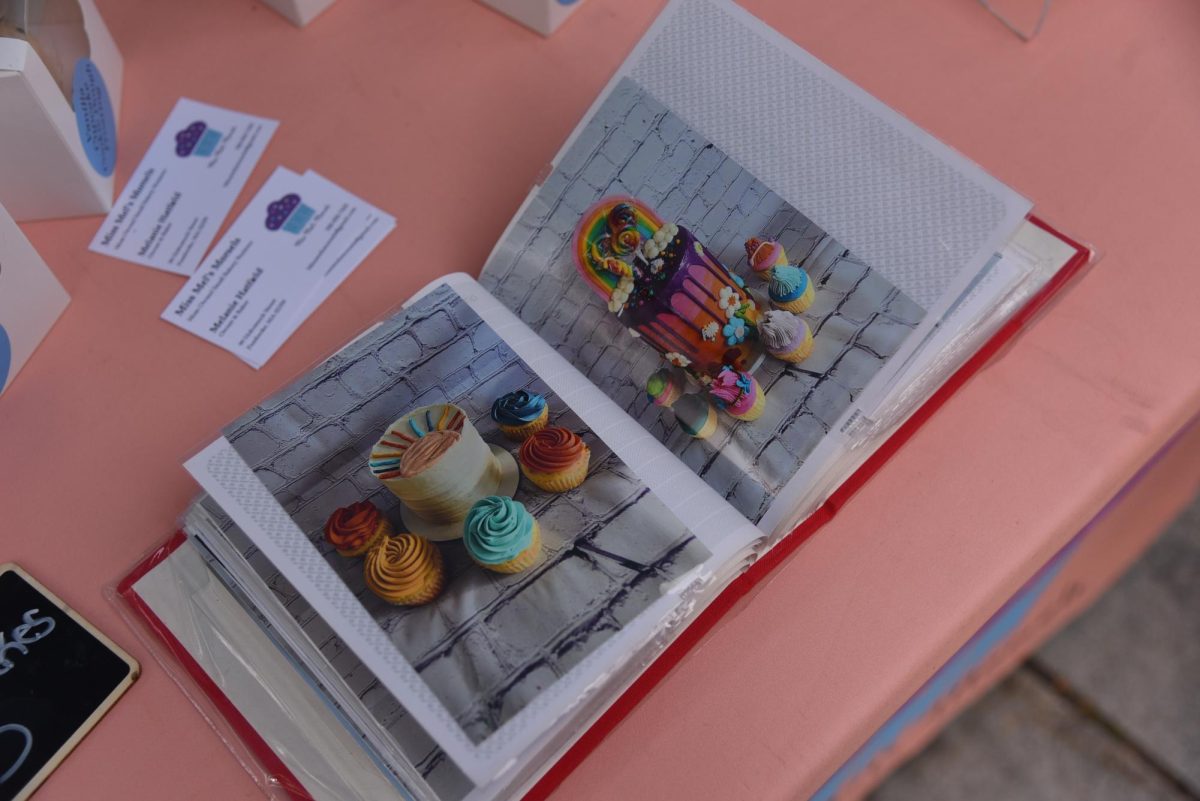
[196, 140]
[288, 214]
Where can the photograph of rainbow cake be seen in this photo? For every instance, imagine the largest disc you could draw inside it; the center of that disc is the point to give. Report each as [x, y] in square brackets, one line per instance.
[435, 462]
[650, 259]
[667, 288]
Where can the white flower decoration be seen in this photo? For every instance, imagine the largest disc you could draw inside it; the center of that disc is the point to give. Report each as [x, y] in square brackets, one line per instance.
[709, 332]
[730, 300]
[678, 359]
[656, 266]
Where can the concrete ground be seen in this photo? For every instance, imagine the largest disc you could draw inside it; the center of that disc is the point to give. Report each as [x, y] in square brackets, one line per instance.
[1109, 710]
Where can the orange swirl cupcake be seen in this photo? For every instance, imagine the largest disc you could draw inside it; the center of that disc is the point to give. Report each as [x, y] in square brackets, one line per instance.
[554, 459]
[354, 529]
[404, 570]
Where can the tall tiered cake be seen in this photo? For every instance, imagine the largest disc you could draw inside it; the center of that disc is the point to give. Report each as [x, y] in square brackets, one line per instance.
[436, 463]
[667, 288]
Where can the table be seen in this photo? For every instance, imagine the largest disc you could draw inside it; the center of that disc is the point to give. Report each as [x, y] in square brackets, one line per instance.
[444, 114]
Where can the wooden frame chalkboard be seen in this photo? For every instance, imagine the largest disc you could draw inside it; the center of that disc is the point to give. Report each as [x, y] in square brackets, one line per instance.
[58, 677]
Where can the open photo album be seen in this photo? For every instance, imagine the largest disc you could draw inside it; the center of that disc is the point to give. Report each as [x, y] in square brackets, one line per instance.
[424, 568]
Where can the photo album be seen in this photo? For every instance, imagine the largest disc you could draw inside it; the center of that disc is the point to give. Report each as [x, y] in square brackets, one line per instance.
[428, 565]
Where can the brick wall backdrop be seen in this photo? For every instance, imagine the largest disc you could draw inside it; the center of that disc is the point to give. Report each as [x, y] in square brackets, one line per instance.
[635, 146]
[491, 642]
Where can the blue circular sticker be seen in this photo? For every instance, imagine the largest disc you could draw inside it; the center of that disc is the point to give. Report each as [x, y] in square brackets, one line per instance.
[5, 356]
[94, 116]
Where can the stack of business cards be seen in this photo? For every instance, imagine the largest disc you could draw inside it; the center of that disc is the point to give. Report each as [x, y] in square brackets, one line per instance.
[295, 242]
[177, 198]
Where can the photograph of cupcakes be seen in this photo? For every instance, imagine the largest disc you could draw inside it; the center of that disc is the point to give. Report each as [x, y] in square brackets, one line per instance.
[765, 254]
[665, 386]
[355, 529]
[405, 570]
[696, 416]
[520, 414]
[501, 535]
[738, 394]
[554, 459]
[785, 336]
[790, 289]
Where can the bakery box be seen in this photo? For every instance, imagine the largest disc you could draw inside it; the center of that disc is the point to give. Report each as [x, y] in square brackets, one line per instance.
[299, 12]
[31, 299]
[60, 91]
[543, 16]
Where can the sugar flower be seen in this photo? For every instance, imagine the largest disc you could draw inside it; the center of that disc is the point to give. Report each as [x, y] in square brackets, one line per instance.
[735, 331]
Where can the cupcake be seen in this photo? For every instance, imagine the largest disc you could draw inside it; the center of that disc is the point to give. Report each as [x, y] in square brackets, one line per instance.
[520, 414]
[738, 394]
[404, 570]
[765, 254]
[790, 289]
[785, 336]
[554, 459]
[355, 529]
[501, 535]
[664, 387]
[696, 416]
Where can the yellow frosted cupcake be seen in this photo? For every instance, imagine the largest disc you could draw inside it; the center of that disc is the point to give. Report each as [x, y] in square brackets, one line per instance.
[355, 529]
[739, 394]
[790, 289]
[521, 414]
[501, 535]
[554, 459]
[405, 570]
[785, 336]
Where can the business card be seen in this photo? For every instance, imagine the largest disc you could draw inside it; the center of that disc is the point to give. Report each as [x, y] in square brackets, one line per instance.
[364, 227]
[295, 242]
[177, 198]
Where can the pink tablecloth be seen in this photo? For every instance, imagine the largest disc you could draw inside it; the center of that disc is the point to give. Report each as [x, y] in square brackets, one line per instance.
[443, 114]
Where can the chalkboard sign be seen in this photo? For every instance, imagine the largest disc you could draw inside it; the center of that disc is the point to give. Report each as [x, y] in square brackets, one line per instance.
[58, 676]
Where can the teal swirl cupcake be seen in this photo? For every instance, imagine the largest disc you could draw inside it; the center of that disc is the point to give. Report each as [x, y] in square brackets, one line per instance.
[790, 289]
[520, 414]
[501, 535]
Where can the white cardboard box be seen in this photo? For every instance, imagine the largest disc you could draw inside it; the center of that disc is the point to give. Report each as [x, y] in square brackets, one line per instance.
[47, 166]
[31, 299]
[544, 16]
[299, 12]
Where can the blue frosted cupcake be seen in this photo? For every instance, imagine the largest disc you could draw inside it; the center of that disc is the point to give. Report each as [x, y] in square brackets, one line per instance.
[501, 535]
[521, 414]
[790, 289]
